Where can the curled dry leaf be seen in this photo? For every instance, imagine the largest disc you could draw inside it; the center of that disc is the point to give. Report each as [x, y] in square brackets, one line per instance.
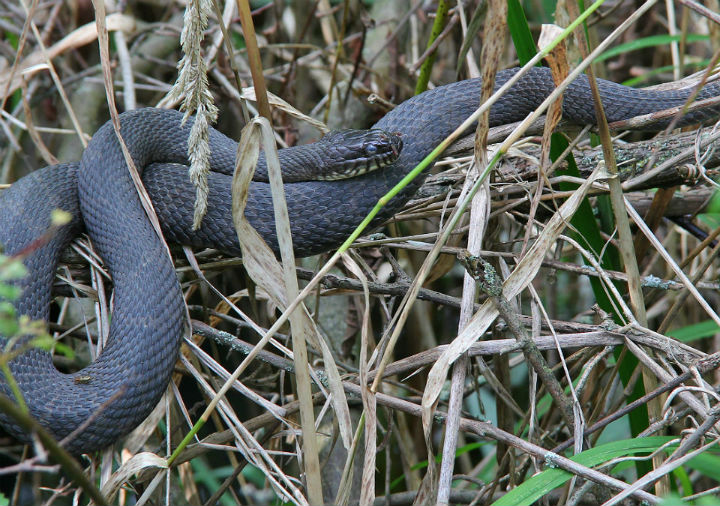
[135, 465]
[279, 103]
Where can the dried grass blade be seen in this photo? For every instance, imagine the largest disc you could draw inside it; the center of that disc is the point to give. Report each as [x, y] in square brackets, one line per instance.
[281, 284]
[282, 105]
[369, 418]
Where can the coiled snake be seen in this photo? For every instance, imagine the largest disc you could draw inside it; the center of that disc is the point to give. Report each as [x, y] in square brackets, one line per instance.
[148, 313]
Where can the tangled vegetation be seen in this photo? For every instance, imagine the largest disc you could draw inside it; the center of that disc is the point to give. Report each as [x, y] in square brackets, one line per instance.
[545, 333]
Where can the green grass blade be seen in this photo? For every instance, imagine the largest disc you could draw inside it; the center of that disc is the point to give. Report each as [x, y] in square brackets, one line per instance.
[546, 481]
[438, 25]
[707, 328]
[520, 32]
[646, 42]
[473, 28]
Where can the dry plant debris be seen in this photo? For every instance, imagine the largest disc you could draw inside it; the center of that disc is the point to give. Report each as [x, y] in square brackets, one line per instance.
[588, 359]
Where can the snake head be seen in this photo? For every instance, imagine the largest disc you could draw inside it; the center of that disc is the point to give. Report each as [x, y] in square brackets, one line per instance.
[351, 153]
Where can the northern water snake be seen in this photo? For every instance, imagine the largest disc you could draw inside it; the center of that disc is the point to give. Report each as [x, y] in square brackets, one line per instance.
[148, 312]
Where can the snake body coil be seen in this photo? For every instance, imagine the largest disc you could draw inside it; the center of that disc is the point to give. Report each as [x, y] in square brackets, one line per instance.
[119, 389]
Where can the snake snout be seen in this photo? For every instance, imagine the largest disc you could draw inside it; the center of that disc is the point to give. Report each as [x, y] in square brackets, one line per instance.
[351, 153]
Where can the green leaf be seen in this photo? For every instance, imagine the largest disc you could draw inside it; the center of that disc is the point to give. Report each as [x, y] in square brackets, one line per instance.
[8, 326]
[520, 32]
[708, 464]
[439, 23]
[650, 74]
[9, 292]
[711, 500]
[11, 268]
[707, 328]
[676, 500]
[712, 220]
[546, 481]
[7, 310]
[645, 42]
[681, 476]
[473, 28]
[211, 478]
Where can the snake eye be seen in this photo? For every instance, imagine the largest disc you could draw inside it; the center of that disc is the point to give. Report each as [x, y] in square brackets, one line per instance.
[371, 149]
